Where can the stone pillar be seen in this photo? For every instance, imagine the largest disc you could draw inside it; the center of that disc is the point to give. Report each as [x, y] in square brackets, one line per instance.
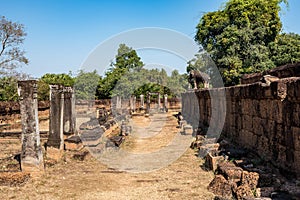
[56, 125]
[166, 103]
[134, 103]
[73, 113]
[123, 128]
[119, 103]
[69, 111]
[142, 101]
[32, 155]
[148, 103]
[158, 101]
[131, 103]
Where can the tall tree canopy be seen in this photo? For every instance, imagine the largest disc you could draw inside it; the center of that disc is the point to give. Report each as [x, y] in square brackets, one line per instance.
[286, 49]
[12, 56]
[126, 60]
[239, 37]
[86, 85]
[127, 77]
[52, 79]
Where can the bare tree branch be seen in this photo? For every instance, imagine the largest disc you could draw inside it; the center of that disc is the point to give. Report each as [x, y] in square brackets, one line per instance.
[12, 36]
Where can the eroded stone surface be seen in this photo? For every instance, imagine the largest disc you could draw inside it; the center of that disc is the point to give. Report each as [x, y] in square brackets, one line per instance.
[32, 155]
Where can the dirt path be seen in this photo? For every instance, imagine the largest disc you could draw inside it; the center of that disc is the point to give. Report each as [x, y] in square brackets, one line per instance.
[90, 179]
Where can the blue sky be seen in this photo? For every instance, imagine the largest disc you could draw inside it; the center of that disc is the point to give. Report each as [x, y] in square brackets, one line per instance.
[62, 33]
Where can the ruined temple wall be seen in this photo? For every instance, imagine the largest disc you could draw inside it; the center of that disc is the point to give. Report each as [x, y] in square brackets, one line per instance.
[285, 71]
[263, 118]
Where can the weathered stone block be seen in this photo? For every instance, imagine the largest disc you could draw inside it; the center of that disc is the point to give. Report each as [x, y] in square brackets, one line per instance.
[230, 171]
[231, 119]
[239, 122]
[213, 161]
[247, 122]
[255, 110]
[233, 106]
[263, 146]
[257, 123]
[208, 148]
[296, 137]
[296, 164]
[277, 110]
[188, 130]
[31, 155]
[297, 89]
[246, 106]
[280, 137]
[281, 157]
[244, 192]
[220, 186]
[269, 129]
[279, 89]
[247, 138]
[265, 191]
[296, 115]
[73, 143]
[264, 107]
[251, 179]
[267, 92]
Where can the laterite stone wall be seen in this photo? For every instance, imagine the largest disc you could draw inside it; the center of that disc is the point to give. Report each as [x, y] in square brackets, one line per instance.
[262, 118]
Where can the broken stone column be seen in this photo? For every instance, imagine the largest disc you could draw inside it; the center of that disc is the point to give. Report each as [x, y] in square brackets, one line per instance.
[55, 143]
[32, 155]
[119, 103]
[123, 128]
[166, 103]
[131, 104]
[158, 101]
[69, 111]
[188, 129]
[142, 101]
[134, 103]
[148, 103]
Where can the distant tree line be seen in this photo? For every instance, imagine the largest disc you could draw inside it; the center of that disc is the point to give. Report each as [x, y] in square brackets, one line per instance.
[125, 77]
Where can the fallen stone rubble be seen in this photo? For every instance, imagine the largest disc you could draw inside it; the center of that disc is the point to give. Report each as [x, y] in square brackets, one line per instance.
[240, 174]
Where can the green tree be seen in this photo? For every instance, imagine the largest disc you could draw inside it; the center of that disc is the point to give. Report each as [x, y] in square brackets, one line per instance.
[238, 36]
[126, 61]
[286, 49]
[128, 58]
[127, 77]
[177, 84]
[8, 88]
[197, 63]
[108, 83]
[52, 79]
[86, 84]
[12, 56]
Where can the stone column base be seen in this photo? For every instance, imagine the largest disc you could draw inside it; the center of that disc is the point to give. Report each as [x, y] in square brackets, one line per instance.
[35, 170]
[54, 153]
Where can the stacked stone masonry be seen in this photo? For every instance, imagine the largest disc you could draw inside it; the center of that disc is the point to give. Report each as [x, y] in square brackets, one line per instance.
[285, 71]
[262, 118]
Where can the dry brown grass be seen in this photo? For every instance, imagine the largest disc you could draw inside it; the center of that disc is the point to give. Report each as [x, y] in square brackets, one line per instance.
[90, 179]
